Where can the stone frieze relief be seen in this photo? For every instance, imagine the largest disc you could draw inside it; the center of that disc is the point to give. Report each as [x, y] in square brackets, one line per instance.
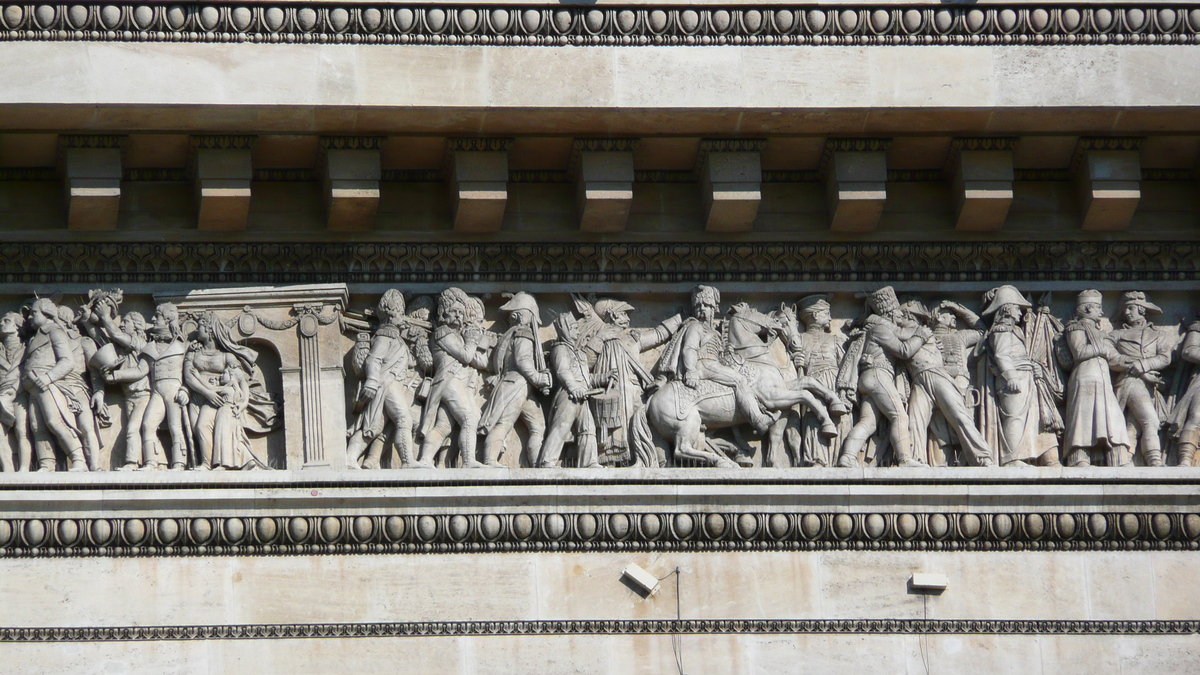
[301, 377]
[354, 23]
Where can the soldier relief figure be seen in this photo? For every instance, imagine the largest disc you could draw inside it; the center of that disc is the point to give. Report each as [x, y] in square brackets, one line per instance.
[905, 384]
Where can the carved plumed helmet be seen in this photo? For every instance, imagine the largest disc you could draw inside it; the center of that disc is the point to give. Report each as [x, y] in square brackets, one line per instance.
[1000, 296]
[1089, 297]
[706, 295]
[607, 307]
[1138, 299]
[522, 300]
[883, 301]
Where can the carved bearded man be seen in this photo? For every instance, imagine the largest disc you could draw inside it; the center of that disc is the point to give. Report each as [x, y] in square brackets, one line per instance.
[385, 393]
[47, 374]
[869, 371]
[459, 354]
[1145, 351]
[697, 352]
[520, 367]
[1095, 422]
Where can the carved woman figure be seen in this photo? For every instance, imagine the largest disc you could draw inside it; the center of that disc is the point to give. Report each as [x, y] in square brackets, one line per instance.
[226, 402]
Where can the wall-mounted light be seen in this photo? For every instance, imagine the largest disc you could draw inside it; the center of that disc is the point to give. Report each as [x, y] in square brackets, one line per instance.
[641, 579]
[923, 582]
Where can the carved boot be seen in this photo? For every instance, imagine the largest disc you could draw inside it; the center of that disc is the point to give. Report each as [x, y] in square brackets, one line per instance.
[406, 459]
[1078, 458]
[1153, 455]
[1187, 454]
[76, 460]
[847, 461]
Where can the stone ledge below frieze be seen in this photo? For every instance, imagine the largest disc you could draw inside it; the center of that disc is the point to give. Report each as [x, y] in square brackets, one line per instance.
[404, 512]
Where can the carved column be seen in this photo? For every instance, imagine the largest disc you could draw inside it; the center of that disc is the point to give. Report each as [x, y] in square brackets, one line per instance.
[731, 181]
[351, 171]
[854, 171]
[91, 173]
[981, 170]
[222, 169]
[602, 170]
[301, 324]
[1108, 175]
[477, 169]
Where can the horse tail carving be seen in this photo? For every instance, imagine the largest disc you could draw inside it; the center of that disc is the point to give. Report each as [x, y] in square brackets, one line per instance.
[641, 439]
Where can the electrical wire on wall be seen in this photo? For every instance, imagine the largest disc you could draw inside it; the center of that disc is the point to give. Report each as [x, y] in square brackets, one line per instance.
[676, 636]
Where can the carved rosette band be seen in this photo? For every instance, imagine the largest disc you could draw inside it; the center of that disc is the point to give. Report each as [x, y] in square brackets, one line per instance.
[598, 263]
[583, 25]
[600, 627]
[535, 532]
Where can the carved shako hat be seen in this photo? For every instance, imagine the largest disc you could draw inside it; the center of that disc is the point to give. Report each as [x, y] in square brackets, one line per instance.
[998, 297]
[1090, 296]
[1138, 298]
[883, 301]
[521, 300]
[706, 295]
[811, 303]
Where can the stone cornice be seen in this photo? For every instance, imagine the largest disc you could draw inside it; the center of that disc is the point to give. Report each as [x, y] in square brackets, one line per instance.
[616, 25]
[550, 627]
[861, 263]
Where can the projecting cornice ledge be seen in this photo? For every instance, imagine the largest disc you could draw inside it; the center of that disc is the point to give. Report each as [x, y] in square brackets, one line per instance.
[1016, 23]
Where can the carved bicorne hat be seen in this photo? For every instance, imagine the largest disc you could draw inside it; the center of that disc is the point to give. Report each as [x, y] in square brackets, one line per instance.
[522, 300]
[1003, 295]
[1139, 298]
[917, 308]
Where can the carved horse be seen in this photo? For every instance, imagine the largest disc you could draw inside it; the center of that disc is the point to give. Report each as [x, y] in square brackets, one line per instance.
[682, 415]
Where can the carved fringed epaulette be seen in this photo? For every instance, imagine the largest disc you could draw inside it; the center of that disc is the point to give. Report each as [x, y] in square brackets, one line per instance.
[389, 330]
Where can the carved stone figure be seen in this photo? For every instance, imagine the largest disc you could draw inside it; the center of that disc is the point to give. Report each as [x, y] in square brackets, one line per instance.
[613, 346]
[519, 365]
[570, 412]
[1094, 420]
[1017, 399]
[56, 392]
[816, 352]
[166, 350]
[1145, 352]
[1185, 417]
[89, 382]
[681, 412]
[14, 402]
[696, 354]
[869, 370]
[131, 369]
[384, 392]
[459, 350]
[225, 401]
[936, 390]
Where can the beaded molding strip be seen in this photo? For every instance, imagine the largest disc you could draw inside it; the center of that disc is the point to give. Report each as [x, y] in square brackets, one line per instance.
[582, 25]
[534, 532]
